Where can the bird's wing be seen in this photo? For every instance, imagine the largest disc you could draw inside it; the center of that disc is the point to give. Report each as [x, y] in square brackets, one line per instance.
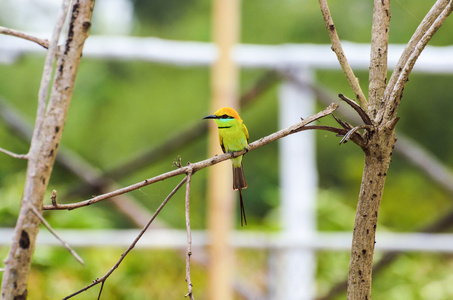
[221, 143]
[244, 128]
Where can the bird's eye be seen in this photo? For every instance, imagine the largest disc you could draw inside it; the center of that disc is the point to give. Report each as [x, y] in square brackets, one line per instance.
[225, 116]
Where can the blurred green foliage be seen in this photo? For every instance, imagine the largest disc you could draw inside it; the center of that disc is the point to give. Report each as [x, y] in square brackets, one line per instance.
[120, 109]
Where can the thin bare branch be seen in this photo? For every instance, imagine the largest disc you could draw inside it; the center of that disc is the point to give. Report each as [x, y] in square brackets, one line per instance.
[129, 249]
[338, 49]
[12, 32]
[429, 26]
[56, 235]
[12, 154]
[199, 165]
[424, 26]
[189, 236]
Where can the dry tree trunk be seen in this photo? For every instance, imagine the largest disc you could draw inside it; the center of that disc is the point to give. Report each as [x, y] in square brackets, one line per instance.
[384, 100]
[43, 149]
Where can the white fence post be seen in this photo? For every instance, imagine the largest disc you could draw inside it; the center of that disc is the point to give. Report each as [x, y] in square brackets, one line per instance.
[298, 190]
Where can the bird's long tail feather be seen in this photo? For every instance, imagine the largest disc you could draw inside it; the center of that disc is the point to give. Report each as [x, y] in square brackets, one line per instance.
[241, 203]
[239, 181]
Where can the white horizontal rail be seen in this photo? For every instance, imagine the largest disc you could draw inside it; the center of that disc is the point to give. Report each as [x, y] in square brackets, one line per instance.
[190, 53]
[169, 238]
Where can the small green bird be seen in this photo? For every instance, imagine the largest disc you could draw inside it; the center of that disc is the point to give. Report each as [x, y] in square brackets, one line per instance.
[233, 136]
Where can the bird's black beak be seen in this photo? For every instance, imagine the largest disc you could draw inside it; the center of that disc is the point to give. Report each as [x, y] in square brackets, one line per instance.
[210, 117]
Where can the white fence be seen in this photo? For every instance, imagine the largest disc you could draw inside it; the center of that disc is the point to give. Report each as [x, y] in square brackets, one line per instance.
[299, 238]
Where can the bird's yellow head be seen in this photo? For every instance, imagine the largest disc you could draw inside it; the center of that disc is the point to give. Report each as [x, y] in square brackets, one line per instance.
[225, 117]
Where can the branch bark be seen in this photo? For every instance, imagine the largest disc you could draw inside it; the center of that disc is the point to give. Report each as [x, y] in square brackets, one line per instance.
[44, 145]
[378, 55]
[338, 49]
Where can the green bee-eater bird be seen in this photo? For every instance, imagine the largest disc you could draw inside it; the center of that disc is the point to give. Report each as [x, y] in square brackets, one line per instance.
[233, 136]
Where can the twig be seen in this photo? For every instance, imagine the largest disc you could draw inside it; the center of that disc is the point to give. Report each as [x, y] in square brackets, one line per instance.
[104, 278]
[56, 235]
[12, 154]
[338, 49]
[199, 165]
[350, 133]
[363, 115]
[189, 237]
[8, 31]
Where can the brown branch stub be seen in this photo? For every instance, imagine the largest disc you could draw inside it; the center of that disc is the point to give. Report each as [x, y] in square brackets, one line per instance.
[53, 198]
[12, 32]
[177, 162]
[338, 49]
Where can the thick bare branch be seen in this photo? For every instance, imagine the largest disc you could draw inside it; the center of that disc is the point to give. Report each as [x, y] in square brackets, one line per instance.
[378, 55]
[44, 145]
[199, 165]
[338, 49]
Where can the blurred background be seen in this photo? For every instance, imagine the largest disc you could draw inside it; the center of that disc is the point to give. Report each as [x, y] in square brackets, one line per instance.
[131, 117]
